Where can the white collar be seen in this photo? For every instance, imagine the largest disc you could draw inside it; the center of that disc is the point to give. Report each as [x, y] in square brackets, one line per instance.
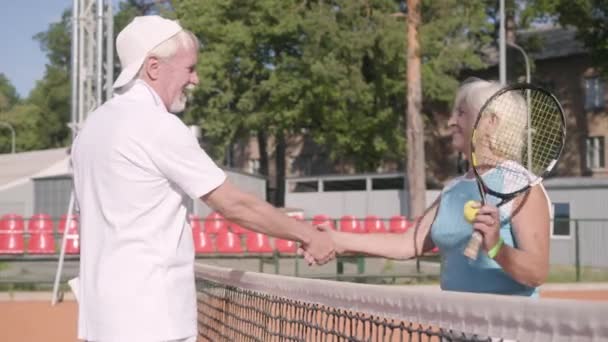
[141, 88]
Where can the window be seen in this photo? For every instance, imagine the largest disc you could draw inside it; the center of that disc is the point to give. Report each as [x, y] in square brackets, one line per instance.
[595, 153]
[594, 93]
[393, 183]
[304, 186]
[561, 220]
[344, 185]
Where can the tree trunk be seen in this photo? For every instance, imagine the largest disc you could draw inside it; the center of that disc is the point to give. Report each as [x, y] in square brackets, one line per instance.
[262, 146]
[415, 127]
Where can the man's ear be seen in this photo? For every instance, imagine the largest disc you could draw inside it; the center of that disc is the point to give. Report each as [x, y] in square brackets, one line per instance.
[152, 67]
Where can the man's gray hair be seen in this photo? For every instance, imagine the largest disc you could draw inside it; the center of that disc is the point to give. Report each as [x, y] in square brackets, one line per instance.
[167, 49]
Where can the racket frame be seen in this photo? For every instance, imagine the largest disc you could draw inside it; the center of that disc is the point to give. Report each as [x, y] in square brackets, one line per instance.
[472, 248]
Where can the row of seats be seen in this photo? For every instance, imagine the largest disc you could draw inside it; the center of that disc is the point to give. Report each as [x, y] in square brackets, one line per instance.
[227, 242]
[213, 234]
[40, 236]
[215, 223]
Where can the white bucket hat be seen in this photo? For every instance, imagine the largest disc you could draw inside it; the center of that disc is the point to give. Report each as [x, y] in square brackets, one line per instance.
[137, 39]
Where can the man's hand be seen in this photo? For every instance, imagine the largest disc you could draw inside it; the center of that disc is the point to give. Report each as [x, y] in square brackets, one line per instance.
[321, 248]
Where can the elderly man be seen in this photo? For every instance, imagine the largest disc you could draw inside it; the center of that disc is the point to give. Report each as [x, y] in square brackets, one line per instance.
[135, 165]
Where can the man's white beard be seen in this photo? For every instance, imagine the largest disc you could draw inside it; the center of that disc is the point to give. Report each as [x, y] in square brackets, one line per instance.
[179, 104]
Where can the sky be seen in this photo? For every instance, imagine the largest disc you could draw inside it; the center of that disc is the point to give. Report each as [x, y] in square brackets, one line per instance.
[21, 59]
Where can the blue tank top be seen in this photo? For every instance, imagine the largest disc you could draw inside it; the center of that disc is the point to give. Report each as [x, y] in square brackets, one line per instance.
[450, 232]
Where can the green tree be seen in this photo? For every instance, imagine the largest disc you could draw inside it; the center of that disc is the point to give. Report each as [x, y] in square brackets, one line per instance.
[8, 94]
[26, 122]
[48, 107]
[8, 99]
[333, 69]
[590, 17]
[51, 95]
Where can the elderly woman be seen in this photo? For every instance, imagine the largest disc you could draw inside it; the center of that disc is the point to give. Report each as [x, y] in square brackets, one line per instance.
[515, 237]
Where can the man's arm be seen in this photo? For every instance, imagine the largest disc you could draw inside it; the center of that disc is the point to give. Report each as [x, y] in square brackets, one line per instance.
[255, 214]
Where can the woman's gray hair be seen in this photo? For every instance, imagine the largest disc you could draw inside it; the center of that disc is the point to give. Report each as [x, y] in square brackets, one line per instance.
[509, 137]
[473, 94]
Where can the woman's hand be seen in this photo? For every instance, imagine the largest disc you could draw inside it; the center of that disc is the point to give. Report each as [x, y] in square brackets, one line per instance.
[487, 222]
[335, 236]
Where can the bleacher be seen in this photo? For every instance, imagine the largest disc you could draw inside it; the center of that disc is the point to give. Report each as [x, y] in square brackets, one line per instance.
[212, 235]
[39, 238]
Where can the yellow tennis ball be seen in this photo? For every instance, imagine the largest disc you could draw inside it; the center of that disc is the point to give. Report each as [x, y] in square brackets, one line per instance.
[469, 211]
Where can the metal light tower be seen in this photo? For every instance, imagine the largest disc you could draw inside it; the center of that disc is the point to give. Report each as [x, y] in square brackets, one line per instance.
[92, 78]
[92, 57]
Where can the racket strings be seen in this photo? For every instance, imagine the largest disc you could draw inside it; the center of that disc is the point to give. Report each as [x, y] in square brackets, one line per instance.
[547, 131]
[507, 143]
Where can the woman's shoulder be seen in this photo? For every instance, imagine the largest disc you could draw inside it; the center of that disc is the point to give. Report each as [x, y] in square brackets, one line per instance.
[451, 183]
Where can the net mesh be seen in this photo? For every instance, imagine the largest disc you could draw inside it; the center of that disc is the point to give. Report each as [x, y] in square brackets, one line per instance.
[520, 134]
[241, 306]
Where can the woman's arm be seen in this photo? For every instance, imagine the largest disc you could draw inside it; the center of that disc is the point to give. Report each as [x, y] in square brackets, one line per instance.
[529, 263]
[394, 246]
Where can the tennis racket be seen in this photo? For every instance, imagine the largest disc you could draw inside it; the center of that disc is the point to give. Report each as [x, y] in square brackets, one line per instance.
[517, 139]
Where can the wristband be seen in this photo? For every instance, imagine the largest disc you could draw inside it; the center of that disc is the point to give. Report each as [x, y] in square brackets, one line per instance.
[494, 250]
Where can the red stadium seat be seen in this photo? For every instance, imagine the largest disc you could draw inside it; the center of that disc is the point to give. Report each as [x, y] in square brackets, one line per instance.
[73, 238]
[12, 222]
[321, 218]
[202, 241]
[41, 239]
[258, 243]
[285, 246]
[228, 242]
[398, 224]
[195, 221]
[373, 224]
[215, 223]
[350, 224]
[40, 223]
[11, 234]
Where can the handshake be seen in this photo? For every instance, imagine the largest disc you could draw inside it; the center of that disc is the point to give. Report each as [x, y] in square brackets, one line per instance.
[322, 245]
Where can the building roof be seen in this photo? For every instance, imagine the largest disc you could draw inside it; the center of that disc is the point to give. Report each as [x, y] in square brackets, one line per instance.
[18, 168]
[554, 42]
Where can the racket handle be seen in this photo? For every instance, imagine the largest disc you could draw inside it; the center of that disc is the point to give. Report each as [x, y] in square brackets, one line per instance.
[472, 249]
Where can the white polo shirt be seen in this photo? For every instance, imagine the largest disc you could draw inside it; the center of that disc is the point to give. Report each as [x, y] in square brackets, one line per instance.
[135, 165]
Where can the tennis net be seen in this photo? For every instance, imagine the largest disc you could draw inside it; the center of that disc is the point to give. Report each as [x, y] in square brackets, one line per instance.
[235, 305]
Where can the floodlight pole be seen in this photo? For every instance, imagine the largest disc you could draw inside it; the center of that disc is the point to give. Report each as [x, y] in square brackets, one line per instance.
[502, 44]
[529, 130]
